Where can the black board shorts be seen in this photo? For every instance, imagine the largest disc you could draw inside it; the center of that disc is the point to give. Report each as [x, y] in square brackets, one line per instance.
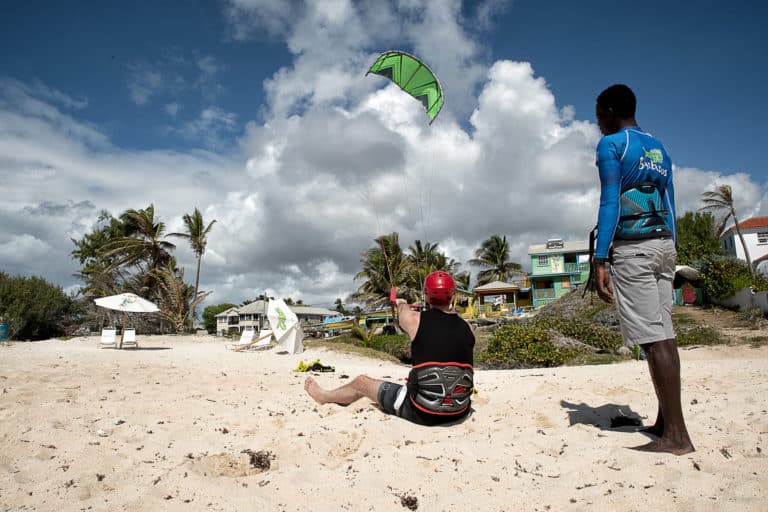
[390, 394]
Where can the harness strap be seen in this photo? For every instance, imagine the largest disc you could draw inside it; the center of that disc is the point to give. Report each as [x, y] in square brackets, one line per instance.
[590, 284]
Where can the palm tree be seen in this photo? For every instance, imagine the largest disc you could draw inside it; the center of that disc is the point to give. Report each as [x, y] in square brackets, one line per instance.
[425, 259]
[384, 266]
[175, 297]
[142, 247]
[197, 235]
[493, 257]
[720, 201]
[462, 280]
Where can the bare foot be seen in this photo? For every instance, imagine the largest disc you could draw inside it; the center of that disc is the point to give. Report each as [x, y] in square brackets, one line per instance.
[314, 390]
[654, 430]
[663, 445]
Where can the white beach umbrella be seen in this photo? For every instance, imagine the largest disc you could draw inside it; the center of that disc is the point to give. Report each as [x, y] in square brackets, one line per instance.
[127, 302]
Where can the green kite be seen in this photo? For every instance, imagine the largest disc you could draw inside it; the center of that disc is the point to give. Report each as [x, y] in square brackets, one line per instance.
[413, 77]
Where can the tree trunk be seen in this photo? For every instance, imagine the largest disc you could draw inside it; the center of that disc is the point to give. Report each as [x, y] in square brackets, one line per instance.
[743, 244]
[193, 315]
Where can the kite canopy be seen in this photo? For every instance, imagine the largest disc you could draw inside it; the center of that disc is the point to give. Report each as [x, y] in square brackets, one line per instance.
[413, 77]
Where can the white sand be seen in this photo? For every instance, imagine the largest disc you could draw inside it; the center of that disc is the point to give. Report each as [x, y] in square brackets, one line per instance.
[524, 448]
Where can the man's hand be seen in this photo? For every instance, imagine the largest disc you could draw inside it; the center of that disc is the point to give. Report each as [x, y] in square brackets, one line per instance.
[603, 283]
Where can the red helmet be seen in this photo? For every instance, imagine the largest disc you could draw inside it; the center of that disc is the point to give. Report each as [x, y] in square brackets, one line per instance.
[439, 288]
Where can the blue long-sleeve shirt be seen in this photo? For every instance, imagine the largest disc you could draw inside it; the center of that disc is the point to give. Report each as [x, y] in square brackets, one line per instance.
[625, 158]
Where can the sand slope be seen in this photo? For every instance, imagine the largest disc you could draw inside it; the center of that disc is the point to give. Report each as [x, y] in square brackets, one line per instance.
[177, 415]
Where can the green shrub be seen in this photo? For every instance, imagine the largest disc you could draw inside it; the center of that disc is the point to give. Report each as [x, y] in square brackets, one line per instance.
[33, 308]
[723, 276]
[396, 345]
[753, 318]
[591, 333]
[698, 335]
[524, 345]
[209, 316]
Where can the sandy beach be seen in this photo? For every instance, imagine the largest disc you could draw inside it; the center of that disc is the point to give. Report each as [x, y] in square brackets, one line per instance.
[184, 424]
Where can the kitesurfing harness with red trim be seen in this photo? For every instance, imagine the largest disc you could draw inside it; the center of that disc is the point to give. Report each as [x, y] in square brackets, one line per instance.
[441, 388]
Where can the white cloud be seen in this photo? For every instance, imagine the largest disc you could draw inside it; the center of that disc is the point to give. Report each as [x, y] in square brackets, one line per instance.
[213, 127]
[172, 75]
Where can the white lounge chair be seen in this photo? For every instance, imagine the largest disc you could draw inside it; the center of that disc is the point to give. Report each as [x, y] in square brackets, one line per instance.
[129, 338]
[108, 337]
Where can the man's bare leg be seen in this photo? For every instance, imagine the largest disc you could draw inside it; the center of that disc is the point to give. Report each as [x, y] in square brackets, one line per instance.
[359, 387]
[664, 365]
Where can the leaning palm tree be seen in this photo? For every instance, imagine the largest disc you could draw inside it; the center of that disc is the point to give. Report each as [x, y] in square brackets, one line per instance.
[493, 257]
[197, 235]
[720, 201]
[143, 247]
[175, 298]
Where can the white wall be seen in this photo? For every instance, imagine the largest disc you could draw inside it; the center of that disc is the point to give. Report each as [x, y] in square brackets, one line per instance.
[746, 299]
[732, 245]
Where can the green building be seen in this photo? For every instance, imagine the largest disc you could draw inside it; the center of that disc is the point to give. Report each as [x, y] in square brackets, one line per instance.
[556, 267]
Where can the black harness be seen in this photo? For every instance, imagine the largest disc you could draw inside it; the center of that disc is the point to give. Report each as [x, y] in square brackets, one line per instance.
[441, 388]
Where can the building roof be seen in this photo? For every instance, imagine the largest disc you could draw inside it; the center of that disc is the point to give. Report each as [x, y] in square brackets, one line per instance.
[567, 247]
[312, 310]
[258, 307]
[228, 312]
[750, 223]
[496, 286]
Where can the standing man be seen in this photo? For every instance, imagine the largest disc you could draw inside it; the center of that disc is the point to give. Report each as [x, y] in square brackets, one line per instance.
[636, 246]
[440, 384]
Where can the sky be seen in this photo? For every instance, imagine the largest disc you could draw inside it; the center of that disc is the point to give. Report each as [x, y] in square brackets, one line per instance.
[259, 114]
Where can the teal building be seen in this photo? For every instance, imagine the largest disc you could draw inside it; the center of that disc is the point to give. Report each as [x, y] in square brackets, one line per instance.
[556, 267]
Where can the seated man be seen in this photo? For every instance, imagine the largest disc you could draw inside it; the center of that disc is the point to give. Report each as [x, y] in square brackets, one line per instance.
[440, 383]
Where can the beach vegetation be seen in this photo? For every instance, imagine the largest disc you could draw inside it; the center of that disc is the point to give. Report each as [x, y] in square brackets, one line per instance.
[720, 201]
[176, 299]
[524, 345]
[696, 239]
[197, 235]
[723, 276]
[209, 315]
[686, 336]
[493, 257]
[33, 308]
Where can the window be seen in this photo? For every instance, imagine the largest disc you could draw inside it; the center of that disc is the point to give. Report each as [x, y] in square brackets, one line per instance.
[543, 261]
[762, 238]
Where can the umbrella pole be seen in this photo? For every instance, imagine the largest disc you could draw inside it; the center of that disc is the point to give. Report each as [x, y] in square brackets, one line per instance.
[122, 334]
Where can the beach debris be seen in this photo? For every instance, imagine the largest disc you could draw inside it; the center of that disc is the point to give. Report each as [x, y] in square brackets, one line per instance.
[725, 452]
[119, 422]
[696, 465]
[156, 481]
[99, 477]
[409, 502]
[101, 433]
[343, 376]
[69, 484]
[314, 366]
[261, 459]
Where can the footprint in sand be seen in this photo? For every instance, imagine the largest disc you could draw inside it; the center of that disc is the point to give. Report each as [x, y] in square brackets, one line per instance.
[225, 464]
[349, 445]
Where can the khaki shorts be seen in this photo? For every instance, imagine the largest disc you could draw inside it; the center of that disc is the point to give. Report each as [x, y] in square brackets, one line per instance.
[642, 272]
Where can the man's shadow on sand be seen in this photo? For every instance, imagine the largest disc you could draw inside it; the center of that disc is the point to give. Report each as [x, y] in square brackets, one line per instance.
[614, 417]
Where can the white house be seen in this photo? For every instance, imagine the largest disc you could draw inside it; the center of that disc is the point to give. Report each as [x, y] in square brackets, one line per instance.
[254, 316]
[755, 232]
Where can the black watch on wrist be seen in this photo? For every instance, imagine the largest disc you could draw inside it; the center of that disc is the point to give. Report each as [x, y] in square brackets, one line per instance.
[599, 261]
